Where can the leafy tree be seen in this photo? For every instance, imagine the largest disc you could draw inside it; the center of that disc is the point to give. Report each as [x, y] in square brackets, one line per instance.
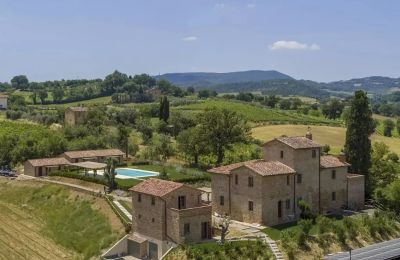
[42, 95]
[384, 168]
[145, 80]
[296, 103]
[333, 109]
[360, 126]
[163, 174]
[389, 196]
[112, 82]
[398, 125]
[160, 148]
[222, 128]
[180, 121]
[325, 149]
[20, 82]
[144, 127]
[191, 144]
[123, 138]
[205, 93]
[190, 90]
[109, 173]
[58, 94]
[247, 97]
[272, 101]
[305, 210]
[285, 104]
[164, 109]
[388, 126]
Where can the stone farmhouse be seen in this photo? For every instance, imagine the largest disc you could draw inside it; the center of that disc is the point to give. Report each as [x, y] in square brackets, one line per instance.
[3, 101]
[42, 167]
[75, 115]
[267, 191]
[166, 213]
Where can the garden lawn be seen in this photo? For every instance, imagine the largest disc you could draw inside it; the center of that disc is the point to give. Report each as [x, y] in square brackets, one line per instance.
[176, 173]
[230, 250]
[275, 231]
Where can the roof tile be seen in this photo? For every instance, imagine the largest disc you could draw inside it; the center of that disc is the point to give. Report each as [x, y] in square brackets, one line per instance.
[297, 142]
[262, 167]
[94, 153]
[156, 187]
[329, 161]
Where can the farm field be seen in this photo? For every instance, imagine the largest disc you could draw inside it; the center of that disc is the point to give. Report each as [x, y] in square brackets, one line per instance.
[257, 114]
[51, 222]
[89, 102]
[334, 136]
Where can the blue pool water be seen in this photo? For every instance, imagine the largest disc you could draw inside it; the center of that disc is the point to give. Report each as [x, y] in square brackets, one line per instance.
[134, 173]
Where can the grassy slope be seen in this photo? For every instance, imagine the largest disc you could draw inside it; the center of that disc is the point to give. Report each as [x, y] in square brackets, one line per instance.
[255, 113]
[89, 102]
[334, 136]
[48, 218]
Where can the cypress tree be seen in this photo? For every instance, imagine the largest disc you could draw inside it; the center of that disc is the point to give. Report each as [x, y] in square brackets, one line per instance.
[161, 116]
[360, 126]
[166, 109]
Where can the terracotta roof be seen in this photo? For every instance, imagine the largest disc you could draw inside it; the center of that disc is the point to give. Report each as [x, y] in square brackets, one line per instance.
[49, 161]
[264, 168]
[78, 109]
[297, 142]
[94, 153]
[156, 187]
[3, 96]
[329, 161]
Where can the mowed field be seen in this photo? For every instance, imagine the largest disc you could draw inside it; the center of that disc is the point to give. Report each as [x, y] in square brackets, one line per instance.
[42, 221]
[334, 136]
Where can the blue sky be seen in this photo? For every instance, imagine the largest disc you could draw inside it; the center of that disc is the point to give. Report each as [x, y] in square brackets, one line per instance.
[306, 39]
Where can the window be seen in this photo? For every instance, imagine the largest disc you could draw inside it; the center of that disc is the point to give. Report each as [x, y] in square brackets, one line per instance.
[186, 229]
[288, 204]
[139, 197]
[333, 195]
[152, 220]
[299, 178]
[287, 180]
[314, 153]
[279, 209]
[140, 216]
[281, 154]
[236, 179]
[251, 182]
[221, 200]
[153, 201]
[333, 174]
[181, 202]
[250, 206]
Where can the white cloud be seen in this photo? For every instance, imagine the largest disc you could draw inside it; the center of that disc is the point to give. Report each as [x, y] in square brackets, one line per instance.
[251, 5]
[293, 45]
[190, 38]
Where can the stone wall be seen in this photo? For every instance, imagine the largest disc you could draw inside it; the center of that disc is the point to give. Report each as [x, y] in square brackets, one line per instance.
[220, 187]
[356, 191]
[338, 185]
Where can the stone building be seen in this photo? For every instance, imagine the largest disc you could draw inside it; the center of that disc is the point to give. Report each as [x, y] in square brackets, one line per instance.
[3, 101]
[42, 167]
[75, 115]
[267, 191]
[100, 155]
[166, 213]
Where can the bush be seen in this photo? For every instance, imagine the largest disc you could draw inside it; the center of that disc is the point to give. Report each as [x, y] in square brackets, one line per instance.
[74, 175]
[325, 225]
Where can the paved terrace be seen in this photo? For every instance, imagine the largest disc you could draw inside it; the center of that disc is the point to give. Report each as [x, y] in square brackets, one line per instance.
[385, 250]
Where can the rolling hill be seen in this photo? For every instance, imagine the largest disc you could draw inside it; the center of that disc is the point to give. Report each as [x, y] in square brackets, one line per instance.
[207, 79]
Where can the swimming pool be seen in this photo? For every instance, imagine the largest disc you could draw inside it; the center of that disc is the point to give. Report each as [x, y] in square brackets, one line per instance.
[129, 173]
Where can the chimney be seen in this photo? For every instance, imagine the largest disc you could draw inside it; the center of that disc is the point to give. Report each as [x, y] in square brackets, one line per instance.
[309, 134]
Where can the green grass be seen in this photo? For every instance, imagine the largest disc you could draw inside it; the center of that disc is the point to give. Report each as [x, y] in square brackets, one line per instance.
[175, 173]
[68, 219]
[127, 183]
[230, 250]
[257, 113]
[275, 231]
[90, 102]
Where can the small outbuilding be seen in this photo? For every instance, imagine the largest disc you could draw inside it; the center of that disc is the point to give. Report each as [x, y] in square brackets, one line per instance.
[3, 101]
[76, 115]
[93, 155]
[42, 167]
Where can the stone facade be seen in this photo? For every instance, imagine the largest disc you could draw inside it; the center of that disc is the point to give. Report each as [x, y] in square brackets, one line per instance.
[163, 216]
[75, 115]
[3, 101]
[272, 198]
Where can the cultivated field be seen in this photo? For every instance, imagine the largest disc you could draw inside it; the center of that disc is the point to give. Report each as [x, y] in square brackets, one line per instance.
[334, 136]
[256, 113]
[40, 221]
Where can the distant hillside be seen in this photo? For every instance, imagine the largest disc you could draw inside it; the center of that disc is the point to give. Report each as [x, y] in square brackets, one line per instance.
[374, 85]
[207, 79]
[275, 87]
